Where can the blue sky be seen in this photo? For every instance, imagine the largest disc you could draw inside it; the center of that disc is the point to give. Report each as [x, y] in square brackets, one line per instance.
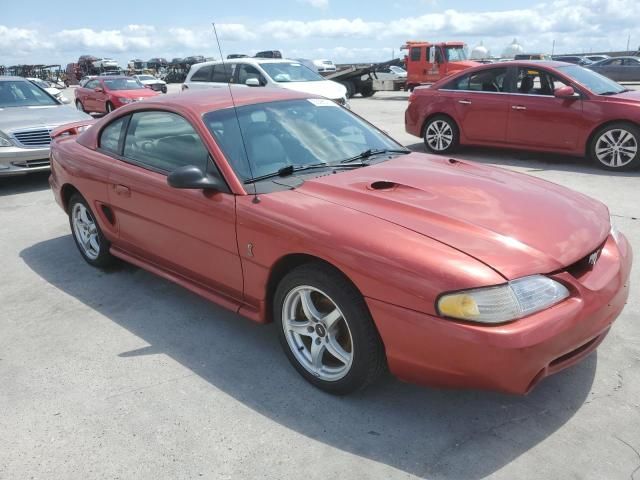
[340, 30]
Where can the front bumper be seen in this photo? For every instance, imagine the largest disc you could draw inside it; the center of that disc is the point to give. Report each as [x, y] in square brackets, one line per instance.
[511, 357]
[20, 161]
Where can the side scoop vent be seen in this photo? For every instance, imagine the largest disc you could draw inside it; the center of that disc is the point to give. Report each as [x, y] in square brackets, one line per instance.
[383, 185]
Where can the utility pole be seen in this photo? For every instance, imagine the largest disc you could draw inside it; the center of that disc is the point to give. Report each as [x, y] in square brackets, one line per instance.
[553, 47]
[628, 41]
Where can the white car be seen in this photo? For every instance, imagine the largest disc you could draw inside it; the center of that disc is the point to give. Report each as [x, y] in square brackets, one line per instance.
[391, 73]
[106, 63]
[46, 86]
[154, 83]
[262, 72]
[324, 65]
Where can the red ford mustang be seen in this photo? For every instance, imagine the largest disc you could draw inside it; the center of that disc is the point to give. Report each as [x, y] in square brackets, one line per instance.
[294, 210]
[543, 106]
[105, 94]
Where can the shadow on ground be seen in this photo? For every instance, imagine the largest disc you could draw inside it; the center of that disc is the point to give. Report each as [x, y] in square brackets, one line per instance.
[17, 184]
[532, 161]
[427, 432]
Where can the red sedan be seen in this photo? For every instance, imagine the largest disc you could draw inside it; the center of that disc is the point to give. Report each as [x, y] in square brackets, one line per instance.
[105, 94]
[543, 106]
[294, 210]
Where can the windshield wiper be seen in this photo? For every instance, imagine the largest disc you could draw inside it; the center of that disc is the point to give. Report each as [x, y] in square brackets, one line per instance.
[374, 151]
[613, 92]
[291, 169]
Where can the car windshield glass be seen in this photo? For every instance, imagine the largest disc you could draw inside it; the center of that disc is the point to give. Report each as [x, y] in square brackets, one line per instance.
[595, 82]
[123, 84]
[41, 83]
[145, 77]
[21, 93]
[291, 133]
[456, 54]
[290, 72]
[398, 70]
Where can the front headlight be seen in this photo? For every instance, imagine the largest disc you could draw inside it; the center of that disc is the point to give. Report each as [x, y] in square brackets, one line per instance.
[503, 303]
[5, 142]
[126, 100]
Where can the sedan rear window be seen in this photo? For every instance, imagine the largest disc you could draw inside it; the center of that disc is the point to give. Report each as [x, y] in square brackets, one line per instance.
[123, 84]
[203, 74]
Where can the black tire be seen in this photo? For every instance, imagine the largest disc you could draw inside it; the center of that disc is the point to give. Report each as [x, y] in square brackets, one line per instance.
[436, 122]
[351, 88]
[104, 258]
[367, 351]
[628, 136]
[80, 107]
[164, 89]
[109, 107]
[367, 91]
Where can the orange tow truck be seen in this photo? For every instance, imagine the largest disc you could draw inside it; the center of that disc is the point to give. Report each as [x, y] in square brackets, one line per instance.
[427, 62]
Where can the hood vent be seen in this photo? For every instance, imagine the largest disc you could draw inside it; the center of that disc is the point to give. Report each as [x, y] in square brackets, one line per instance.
[383, 185]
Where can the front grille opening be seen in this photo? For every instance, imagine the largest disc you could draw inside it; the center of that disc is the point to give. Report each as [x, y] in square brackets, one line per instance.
[31, 163]
[573, 353]
[33, 138]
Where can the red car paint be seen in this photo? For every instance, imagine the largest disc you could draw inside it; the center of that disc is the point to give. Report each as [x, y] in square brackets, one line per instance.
[437, 226]
[526, 122]
[96, 99]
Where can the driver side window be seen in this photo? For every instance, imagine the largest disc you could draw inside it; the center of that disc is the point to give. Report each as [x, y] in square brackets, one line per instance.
[531, 81]
[163, 141]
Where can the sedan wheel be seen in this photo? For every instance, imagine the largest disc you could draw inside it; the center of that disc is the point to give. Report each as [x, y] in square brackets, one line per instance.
[441, 135]
[89, 239]
[79, 106]
[317, 333]
[109, 107]
[616, 147]
[326, 330]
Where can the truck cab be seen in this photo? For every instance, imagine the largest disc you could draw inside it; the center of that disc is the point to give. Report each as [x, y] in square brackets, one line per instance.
[429, 62]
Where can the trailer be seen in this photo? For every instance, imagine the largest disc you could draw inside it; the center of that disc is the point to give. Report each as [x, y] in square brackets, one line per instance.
[363, 79]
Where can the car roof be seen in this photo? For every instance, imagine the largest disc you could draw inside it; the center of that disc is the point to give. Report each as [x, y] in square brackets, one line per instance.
[206, 100]
[13, 78]
[251, 60]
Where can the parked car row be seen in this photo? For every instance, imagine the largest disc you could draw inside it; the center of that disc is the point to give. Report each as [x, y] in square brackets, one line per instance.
[284, 207]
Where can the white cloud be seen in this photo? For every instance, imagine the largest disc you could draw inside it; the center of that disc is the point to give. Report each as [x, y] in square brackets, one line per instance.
[317, 3]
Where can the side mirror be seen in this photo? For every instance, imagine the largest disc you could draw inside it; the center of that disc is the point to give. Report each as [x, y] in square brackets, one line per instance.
[193, 177]
[252, 82]
[564, 92]
[98, 89]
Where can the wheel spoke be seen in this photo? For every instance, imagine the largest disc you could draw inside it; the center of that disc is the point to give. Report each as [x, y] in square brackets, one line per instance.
[93, 243]
[624, 137]
[85, 217]
[301, 328]
[608, 137]
[335, 349]
[331, 318]
[309, 309]
[317, 351]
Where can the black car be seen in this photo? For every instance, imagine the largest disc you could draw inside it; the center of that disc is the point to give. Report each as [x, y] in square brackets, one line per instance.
[573, 59]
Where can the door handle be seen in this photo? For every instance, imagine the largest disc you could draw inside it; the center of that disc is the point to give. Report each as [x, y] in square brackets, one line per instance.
[465, 102]
[122, 190]
[518, 107]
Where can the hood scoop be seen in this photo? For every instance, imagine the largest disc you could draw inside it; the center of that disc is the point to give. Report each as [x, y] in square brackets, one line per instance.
[383, 185]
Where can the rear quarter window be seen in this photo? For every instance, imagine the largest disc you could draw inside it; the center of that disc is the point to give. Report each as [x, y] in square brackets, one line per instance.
[111, 135]
[203, 74]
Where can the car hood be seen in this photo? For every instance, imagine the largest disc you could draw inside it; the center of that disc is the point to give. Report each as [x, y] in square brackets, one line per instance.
[516, 224]
[152, 82]
[631, 96]
[326, 88]
[17, 118]
[139, 93]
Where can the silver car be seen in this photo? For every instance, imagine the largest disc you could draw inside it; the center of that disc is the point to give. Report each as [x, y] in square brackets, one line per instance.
[28, 114]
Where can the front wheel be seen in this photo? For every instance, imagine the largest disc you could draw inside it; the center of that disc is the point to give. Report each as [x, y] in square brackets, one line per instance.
[326, 330]
[441, 134]
[109, 107]
[80, 107]
[615, 147]
[93, 245]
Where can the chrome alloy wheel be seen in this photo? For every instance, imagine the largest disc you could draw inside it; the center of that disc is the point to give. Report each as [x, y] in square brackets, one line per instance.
[439, 135]
[317, 333]
[616, 148]
[85, 231]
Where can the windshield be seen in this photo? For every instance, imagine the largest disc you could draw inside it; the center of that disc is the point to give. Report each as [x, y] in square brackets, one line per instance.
[291, 132]
[595, 82]
[456, 54]
[21, 93]
[290, 72]
[146, 77]
[40, 83]
[123, 84]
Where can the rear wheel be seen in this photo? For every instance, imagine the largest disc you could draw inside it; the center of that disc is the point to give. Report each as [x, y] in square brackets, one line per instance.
[616, 147]
[91, 243]
[441, 134]
[326, 330]
[351, 88]
[367, 91]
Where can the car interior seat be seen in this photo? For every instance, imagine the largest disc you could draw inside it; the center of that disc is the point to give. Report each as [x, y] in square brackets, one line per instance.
[526, 85]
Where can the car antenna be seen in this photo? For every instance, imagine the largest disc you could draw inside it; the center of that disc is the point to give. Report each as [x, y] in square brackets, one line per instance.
[256, 199]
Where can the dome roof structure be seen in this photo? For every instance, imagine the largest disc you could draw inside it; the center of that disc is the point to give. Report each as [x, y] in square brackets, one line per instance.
[512, 49]
[479, 52]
